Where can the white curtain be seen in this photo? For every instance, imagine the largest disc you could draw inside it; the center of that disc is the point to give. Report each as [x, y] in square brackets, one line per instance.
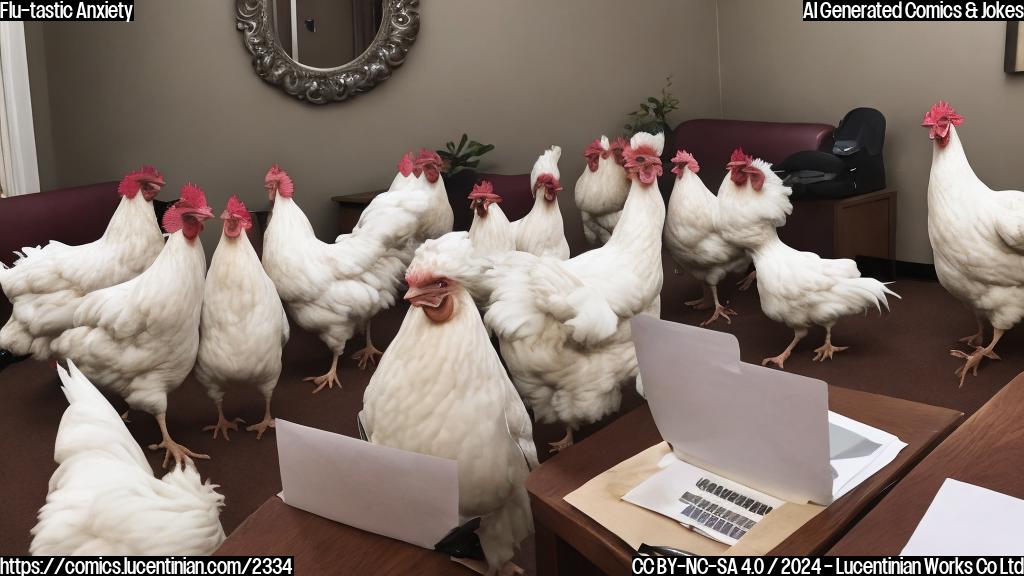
[19, 171]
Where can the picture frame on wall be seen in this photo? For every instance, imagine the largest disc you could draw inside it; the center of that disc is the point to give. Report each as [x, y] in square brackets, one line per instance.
[1013, 62]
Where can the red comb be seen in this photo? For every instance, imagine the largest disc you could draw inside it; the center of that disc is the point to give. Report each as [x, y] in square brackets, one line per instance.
[285, 187]
[430, 163]
[482, 189]
[642, 162]
[192, 196]
[684, 158]
[594, 152]
[130, 184]
[237, 208]
[172, 221]
[407, 166]
[739, 156]
[942, 110]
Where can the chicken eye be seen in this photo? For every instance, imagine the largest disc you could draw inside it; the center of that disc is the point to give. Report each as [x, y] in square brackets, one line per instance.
[442, 284]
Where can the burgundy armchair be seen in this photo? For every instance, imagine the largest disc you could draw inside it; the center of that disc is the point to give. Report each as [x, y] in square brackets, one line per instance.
[70, 215]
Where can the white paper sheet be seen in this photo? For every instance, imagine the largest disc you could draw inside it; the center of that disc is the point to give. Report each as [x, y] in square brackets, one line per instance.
[403, 495]
[857, 451]
[967, 520]
[723, 511]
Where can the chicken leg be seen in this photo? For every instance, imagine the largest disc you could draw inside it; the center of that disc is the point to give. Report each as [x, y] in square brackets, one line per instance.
[704, 302]
[978, 337]
[564, 443]
[747, 281]
[181, 454]
[972, 360]
[262, 425]
[223, 424]
[826, 350]
[798, 335]
[368, 354]
[720, 311]
[329, 379]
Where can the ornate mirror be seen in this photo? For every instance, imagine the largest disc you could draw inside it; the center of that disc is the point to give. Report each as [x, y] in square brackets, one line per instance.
[325, 51]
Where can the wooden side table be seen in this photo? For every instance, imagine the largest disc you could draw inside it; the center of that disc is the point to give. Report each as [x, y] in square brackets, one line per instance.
[351, 207]
[863, 225]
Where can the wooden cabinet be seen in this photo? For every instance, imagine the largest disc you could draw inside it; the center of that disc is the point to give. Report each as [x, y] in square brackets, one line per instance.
[862, 225]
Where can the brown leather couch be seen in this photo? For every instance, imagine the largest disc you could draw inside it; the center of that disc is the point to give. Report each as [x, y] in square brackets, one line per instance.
[70, 215]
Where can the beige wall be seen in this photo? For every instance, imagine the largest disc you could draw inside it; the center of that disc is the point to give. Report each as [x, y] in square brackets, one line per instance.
[176, 89]
[775, 67]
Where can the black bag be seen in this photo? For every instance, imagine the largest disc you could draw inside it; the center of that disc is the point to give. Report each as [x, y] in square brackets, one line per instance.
[854, 167]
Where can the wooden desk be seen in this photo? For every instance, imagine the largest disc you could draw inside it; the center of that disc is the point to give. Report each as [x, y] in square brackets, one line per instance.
[988, 451]
[569, 542]
[351, 208]
[321, 546]
[863, 225]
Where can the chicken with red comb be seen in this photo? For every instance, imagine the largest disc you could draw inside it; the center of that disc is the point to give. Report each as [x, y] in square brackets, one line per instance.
[457, 400]
[541, 231]
[693, 237]
[799, 289]
[140, 338]
[335, 289]
[601, 189]
[243, 327]
[977, 238]
[563, 325]
[490, 231]
[46, 284]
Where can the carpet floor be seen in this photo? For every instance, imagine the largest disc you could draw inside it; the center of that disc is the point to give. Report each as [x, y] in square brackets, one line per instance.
[904, 353]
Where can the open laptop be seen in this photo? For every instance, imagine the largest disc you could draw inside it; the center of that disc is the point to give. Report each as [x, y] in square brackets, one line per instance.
[763, 428]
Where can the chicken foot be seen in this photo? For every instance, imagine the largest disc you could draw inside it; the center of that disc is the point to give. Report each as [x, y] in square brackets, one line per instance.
[261, 426]
[798, 335]
[826, 350]
[978, 338]
[181, 454]
[720, 311]
[704, 302]
[329, 379]
[564, 443]
[368, 354]
[223, 424]
[973, 360]
[747, 281]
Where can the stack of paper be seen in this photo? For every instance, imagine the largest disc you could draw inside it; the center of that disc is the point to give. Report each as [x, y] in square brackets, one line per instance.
[857, 451]
[966, 520]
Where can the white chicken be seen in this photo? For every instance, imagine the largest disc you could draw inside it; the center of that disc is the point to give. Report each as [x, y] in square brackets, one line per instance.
[140, 338]
[693, 238]
[541, 231]
[441, 390]
[799, 289]
[601, 189]
[333, 289]
[977, 237]
[46, 284]
[563, 326]
[243, 326]
[103, 499]
[490, 231]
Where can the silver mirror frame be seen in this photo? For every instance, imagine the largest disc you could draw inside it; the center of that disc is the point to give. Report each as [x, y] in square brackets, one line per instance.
[399, 25]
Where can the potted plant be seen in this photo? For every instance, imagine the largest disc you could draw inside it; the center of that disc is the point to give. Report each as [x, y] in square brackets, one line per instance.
[459, 173]
[652, 116]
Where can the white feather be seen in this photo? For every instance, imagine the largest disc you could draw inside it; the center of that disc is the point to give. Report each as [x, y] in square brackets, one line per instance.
[103, 498]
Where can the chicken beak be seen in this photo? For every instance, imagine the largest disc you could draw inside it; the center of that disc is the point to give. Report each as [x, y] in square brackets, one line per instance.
[431, 297]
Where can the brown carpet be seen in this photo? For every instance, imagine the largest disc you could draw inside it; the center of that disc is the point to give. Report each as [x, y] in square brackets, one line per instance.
[903, 354]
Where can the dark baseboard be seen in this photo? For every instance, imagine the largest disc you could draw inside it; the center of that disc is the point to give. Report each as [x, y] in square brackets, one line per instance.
[892, 269]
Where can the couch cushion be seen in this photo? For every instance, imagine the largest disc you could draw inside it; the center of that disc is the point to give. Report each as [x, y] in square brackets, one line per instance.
[712, 141]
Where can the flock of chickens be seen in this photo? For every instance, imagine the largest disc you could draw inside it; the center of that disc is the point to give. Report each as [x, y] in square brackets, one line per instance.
[135, 314]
